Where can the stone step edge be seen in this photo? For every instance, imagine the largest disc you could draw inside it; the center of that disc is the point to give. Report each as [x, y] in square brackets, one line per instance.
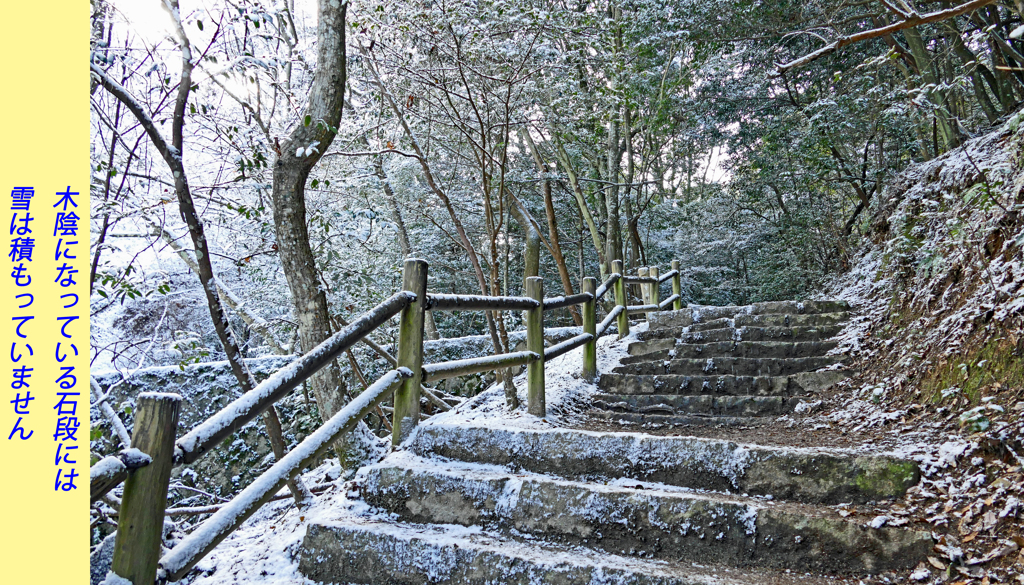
[741, 531]
[828, 476]
[680, 420]
[679, 331]
[672, 353]
[807, 382]
[420, 554]
[730, 361]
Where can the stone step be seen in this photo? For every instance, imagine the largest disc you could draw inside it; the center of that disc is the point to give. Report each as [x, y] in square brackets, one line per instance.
[634, 420]
[641, 520]
[701, 313]
[807, 475]
[740, 349]
[795, 384]
[728, 366]
[378, 552]
[724, 331]
[705, 404]
[676, 319]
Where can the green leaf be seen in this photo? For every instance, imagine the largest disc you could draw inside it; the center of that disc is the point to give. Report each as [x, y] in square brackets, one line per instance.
[199, 23]
[307, 120]
[315, 183]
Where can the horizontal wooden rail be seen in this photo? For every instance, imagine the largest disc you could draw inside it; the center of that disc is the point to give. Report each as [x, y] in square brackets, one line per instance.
[567, 346]
[436, 302]
[109, 472]
[561, 302]
[606, 285]
[456, 368]
[179, 560]
[639, 280]
[234, 416]
[634, 309]
[665, 304]
[667, 275]
[603, 327]
[200, 510]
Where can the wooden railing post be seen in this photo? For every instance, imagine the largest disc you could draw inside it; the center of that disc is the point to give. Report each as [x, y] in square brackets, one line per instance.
[140, 525]
[677, 287]
[645, 291]
[535, 342]
[410, 350]
[620, 299]
[590, 326]
[653, 294]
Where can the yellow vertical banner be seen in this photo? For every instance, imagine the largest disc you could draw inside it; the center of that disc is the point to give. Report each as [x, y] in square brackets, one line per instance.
[44, 203]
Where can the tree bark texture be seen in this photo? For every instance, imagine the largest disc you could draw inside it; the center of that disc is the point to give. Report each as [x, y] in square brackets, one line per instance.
[299, 154]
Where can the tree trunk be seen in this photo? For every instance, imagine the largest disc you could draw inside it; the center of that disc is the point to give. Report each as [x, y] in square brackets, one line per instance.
[302, 150]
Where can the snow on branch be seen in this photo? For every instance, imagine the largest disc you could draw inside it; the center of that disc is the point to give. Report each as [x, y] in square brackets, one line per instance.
[910, 20]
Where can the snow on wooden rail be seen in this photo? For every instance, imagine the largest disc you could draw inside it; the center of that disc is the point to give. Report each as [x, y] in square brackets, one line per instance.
[439, 302]
[667, 275]
[455, 368]
[110, 471]
[639, 280]
[234, 416]
[665, 304]
[561, 302]
[634, 309]
[606, 285]
[603, 327]
[567, 346]
[176, 563]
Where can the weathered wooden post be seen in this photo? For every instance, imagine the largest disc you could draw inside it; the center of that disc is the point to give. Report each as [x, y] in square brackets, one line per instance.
[140, 525]
[645, 291]
[590, 326]
[410, 350]
[535, 342]
[620, 299]
[653, 294]
[677, 287]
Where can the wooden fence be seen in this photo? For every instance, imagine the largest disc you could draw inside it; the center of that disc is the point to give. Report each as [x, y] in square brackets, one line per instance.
[155, 451]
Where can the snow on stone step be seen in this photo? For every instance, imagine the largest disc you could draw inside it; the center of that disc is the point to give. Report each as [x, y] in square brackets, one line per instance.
[732, 348]
[724, 330]
[633, 420]
[707, 404]
[796, 384]
[731, 366]
[409, 554]
[807, 475]
[640, 520]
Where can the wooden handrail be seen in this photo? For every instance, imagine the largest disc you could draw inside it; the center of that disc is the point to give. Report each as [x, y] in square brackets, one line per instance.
[639, 280]
[664, 304]
[177, 562]
[567, 346]
[456, 368]
[635, 309]
[560, 302]
[439, 302]
[234, 416]
[109, 472]
[612, 315]
[606, 285]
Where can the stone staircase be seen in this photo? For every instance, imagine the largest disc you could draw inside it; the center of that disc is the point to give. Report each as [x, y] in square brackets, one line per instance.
[725, 365]
[482, 504]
